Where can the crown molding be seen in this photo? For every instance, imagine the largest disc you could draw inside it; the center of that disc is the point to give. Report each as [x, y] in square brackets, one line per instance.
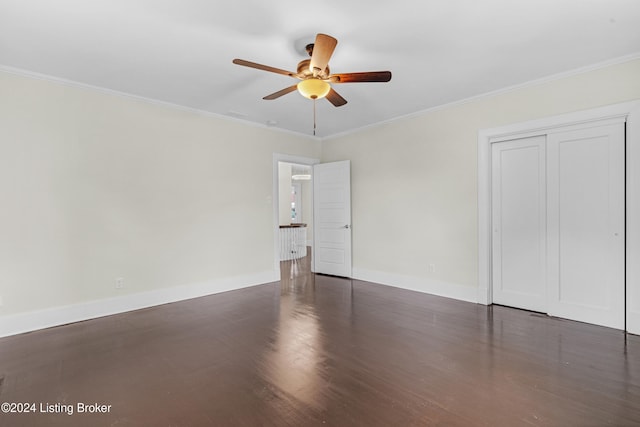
[531, 83]
[75, 84]
[502, 91]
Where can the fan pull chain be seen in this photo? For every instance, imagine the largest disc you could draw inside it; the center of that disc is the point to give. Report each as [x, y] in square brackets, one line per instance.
[314, 117]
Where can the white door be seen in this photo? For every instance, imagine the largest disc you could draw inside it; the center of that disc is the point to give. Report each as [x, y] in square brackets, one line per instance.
[586, 225]
[332, 218]
[519, 223]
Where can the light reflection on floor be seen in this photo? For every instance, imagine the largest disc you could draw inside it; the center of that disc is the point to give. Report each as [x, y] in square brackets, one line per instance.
[295, 359]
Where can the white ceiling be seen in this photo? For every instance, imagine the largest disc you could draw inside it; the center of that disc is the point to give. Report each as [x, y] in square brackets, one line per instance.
[180, 51]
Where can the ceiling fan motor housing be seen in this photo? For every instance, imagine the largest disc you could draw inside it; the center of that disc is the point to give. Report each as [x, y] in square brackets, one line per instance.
[304, 70]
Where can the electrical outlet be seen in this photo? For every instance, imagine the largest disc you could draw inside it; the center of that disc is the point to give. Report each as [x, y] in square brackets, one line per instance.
[120, 283]
[431, 268]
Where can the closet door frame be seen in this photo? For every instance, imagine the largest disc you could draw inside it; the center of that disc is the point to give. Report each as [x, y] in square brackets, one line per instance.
[628, 112]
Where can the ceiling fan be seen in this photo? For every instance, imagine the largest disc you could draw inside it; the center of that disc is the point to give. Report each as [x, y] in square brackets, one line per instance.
[315, 76]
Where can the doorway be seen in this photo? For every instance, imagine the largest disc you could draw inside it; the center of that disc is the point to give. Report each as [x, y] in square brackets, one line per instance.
[327, 213]
[293, 210]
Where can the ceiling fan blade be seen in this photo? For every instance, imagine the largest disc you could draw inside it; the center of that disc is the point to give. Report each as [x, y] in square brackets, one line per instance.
[322, 51]
[368, 76]
[279, 93]
[335, 98]
[263, 67]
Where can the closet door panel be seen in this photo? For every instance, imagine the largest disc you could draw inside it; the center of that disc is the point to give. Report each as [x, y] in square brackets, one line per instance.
[519, 223]
[585, 217]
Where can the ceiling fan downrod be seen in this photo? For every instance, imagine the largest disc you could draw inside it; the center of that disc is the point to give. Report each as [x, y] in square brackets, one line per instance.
[314, 117]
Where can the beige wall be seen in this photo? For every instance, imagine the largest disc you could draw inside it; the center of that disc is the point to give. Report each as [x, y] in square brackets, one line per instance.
[414, 181]
[95, 186]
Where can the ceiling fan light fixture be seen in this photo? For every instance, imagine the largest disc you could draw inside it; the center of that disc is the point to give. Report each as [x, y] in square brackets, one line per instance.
[314, 88]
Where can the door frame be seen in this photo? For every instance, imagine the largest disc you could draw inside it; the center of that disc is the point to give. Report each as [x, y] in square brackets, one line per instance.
[287, 158]
[628, 112]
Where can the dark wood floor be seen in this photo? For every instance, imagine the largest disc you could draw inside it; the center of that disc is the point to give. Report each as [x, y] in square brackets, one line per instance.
[317, 350]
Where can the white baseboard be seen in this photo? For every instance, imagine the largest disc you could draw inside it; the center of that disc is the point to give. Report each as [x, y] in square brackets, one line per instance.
[56, 316]
[428, 286]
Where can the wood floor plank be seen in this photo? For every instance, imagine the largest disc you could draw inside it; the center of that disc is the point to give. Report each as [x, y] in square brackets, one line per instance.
[325, 351]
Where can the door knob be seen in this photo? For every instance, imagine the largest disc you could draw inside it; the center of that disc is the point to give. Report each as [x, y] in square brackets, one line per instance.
[346, 226]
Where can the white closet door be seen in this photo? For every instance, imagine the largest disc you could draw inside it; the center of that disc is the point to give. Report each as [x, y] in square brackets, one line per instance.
[586, 225]
[519, 223]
